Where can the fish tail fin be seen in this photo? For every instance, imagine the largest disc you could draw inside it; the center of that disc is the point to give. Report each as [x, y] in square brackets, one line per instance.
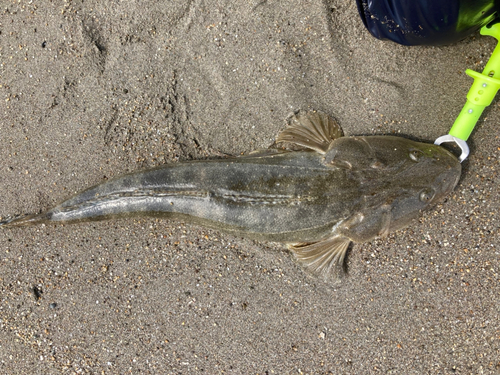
[24, 220]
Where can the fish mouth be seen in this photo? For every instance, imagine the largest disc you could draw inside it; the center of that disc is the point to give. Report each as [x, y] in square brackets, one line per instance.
[449, 178]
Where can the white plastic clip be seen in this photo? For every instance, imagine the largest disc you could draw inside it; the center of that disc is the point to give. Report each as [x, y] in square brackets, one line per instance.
[460, 142]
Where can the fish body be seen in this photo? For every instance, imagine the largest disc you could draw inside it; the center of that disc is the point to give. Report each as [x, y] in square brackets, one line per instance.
[332, 191]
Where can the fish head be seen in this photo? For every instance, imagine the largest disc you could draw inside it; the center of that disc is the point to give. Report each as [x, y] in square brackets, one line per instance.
[419, 176]
[403, 176]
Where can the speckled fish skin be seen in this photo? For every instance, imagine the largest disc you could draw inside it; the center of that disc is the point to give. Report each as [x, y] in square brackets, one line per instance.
[278, 197]
[334, 191]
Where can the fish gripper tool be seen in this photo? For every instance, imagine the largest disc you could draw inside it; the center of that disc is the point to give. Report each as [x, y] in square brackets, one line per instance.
[480, 95]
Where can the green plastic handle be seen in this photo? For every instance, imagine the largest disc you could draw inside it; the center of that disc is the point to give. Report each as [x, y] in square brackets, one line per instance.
[483, 90]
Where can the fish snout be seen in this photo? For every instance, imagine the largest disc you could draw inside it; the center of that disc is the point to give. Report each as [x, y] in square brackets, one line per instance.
[450, 175]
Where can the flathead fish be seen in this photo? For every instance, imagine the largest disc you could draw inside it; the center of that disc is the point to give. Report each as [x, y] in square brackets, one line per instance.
[329, 191]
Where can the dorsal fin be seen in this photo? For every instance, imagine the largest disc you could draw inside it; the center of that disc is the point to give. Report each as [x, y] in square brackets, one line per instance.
[314, 130]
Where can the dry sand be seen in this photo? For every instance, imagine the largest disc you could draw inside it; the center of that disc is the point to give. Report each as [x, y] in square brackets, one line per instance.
[92, 89]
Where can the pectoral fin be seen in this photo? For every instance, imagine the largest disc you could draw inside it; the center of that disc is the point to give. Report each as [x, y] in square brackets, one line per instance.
[324, 258]
[314, 130]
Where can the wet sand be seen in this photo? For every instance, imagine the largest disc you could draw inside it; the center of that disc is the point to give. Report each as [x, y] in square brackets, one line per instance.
[90, 90]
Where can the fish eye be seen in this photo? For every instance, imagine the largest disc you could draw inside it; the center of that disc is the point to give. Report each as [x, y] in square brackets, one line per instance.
[426, 195]
[415, 155]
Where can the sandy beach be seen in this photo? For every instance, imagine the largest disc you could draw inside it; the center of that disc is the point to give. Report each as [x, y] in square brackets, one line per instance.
[90, 90]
